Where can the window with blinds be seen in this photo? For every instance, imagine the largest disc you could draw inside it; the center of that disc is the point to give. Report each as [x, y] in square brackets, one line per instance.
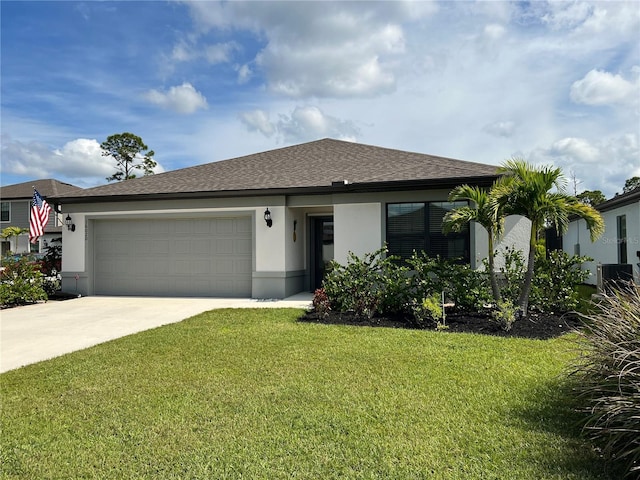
[5, 211]
[417, 227]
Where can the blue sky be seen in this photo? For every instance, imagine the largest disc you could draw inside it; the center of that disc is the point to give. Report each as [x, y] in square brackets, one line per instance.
[555, 83]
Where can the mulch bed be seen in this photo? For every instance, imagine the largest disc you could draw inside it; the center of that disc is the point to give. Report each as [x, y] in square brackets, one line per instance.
[536, 326]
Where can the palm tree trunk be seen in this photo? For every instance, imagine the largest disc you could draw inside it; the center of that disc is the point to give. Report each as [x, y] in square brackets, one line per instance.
[523, 300]
[495, 288]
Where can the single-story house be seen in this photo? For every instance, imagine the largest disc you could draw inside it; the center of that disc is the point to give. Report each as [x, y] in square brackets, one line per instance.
[15, 209]
[264, 225]
[617, 252]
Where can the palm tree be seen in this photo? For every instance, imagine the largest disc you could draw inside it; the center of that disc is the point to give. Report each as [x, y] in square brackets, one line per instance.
[482, 213]
[527, 190]
[10, 232]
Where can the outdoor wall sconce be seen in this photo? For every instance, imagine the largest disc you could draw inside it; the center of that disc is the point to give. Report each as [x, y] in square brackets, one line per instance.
[267, 218]
[69, 223]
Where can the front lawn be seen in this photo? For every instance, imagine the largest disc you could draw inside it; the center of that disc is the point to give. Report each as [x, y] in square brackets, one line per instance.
[255, 394]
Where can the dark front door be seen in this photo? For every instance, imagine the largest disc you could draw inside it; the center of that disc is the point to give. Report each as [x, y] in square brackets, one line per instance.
[321, 248]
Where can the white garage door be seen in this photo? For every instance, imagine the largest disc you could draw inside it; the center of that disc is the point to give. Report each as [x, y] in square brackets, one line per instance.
[173, 257]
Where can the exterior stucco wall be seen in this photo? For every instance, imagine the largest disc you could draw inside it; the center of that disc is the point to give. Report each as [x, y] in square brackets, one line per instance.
[280, 262]
[517, 230]
[605, 249]
[358, 228]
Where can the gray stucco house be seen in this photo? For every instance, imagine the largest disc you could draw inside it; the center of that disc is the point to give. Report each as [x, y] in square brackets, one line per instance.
[264, 225]
[15, 208]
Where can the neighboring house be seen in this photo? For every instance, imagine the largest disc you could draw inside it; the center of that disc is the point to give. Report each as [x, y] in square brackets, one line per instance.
[264, 225]
[15, 208]
[618, 249]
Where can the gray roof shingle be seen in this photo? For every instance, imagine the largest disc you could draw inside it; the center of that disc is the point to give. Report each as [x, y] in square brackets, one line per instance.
[308, 166]
[47, 188]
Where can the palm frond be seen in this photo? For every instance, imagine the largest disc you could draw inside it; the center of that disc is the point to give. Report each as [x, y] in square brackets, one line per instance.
[456, 219]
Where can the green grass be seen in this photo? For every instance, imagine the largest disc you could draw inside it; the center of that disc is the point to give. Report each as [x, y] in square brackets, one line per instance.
[254, 394]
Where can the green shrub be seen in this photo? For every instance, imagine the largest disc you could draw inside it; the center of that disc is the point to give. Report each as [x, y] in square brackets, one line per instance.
[378, 284]
[367, 286]
[395, 287]
[555, 280]
[464, 286]
[21, 282]
[608, 378]
[428, 312]
[504, 314]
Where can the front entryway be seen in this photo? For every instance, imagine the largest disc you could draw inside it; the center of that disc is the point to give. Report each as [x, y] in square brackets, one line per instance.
[321, 248]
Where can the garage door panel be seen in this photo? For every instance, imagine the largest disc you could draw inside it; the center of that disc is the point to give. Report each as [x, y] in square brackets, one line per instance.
[160, 268]
[242, 245]
[225, 227]
[244, 226]
[173, 257]
[242, 266]
[159, 246]
[224, 246]
[201, 246]
[224, 265]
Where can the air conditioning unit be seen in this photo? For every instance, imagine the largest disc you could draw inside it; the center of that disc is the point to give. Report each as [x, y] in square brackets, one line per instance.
[613, 276]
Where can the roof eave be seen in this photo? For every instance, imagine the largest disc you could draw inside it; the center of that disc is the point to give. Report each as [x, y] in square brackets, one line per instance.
[620, 201]
[481, 180]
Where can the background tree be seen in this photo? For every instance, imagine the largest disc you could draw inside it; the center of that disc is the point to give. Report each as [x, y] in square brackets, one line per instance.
[631, 184]
[13, 232]
[127, 150]
[526, 190]
[481, 213]
[591, 197]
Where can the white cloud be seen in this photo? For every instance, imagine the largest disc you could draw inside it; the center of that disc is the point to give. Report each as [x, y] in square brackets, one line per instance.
[576, 149]
[258, 120]
[494, 31]
[311, 123]
[182, 99]
[599, 165]
[186, 51]
[220, 52]
[612, 18]
[567, 14]
[303, 124]
[603, 88]
[321, 49]
[500, 129]
[78, 161]
[244, 74]
[181, 53]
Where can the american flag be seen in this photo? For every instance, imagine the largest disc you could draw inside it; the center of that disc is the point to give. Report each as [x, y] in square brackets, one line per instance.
[39, 217]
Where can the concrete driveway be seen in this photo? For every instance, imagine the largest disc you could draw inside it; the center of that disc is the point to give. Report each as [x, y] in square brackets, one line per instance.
[33, 333]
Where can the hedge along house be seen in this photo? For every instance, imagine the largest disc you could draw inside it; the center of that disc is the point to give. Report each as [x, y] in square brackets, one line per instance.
[264, 225]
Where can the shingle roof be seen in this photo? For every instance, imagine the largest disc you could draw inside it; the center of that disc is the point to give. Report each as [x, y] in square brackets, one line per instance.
[620, 200]
[306, 167]
[47, 188]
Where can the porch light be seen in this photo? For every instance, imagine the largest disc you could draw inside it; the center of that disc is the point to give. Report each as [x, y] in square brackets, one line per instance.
[69, 223]
[267, 217]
